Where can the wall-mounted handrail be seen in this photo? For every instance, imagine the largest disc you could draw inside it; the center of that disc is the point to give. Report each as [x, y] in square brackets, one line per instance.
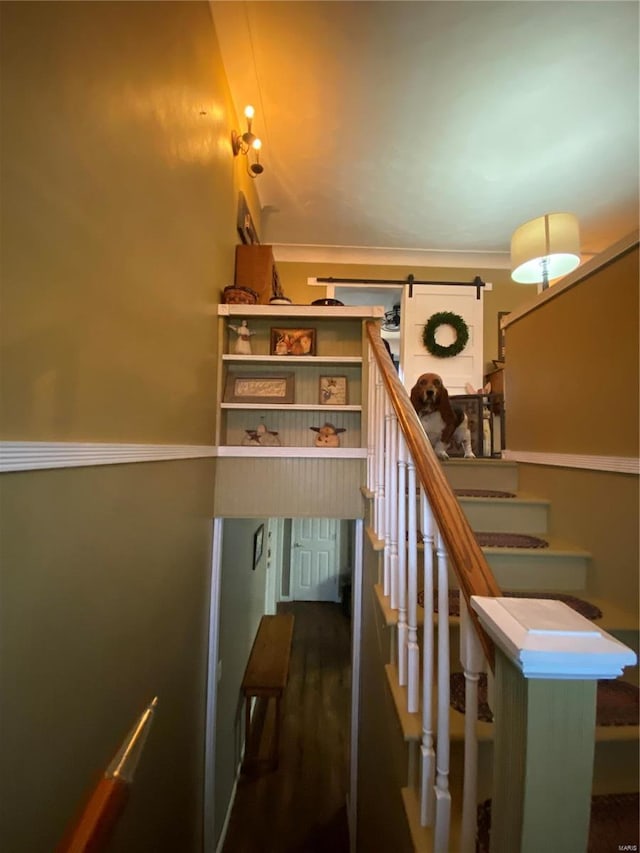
[91, 830]
[465, 556]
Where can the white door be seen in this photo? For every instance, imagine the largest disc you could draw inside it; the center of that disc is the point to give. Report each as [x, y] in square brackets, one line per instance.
[415, 359]
[314, 559]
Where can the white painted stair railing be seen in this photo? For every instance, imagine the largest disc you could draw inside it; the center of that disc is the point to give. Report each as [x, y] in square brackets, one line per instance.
[404, 476]
[394, 481]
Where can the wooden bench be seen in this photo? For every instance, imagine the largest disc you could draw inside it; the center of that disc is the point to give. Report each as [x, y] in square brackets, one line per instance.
[267, 672]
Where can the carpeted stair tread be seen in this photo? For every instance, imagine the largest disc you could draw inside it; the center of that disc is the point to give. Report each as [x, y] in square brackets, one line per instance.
[483, 493]
[509, 540]
[617, 702]
[584, 608]
[613, 825]
[490, 539]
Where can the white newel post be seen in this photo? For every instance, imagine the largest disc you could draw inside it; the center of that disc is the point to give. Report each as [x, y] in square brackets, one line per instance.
[548, 661]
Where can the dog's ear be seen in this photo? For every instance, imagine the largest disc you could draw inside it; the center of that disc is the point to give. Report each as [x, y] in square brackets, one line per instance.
[469, 388]
[448, 415]
[416, 399]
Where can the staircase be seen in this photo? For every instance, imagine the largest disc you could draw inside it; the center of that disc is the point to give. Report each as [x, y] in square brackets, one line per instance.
[487, 490]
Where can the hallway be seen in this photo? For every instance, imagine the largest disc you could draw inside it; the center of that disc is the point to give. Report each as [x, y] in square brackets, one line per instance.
[301, 806]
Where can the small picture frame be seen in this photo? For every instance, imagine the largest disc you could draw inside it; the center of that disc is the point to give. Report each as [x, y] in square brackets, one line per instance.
[246, 228]
[501, 339]
[265, 388]
[258, 544]
[296, 341]
[333, 391]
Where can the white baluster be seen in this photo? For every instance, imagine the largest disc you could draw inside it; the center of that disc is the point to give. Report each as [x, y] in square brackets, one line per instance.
[472, 659]
[428, 774]
[371, 434]
[402, 560]
[388, 499]
[413, 652]
[379, 514]
[392, 503]
[443, 796]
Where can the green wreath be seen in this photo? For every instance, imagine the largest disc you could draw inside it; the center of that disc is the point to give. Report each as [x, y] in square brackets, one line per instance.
[445, 318]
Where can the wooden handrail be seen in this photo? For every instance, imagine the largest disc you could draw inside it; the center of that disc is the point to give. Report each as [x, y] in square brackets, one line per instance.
[91, 830]
[466, 558]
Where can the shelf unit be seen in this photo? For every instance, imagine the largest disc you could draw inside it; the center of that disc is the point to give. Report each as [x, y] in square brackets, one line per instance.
[340, 344]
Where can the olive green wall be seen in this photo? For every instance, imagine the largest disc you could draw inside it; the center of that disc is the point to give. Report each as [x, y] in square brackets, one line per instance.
[104, 587]
[242, 598]
[598, 511]
[572, 368]
[505, 295]
[119, 195]
[572, 387]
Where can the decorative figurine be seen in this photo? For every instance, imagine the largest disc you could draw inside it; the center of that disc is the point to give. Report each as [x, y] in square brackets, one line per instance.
[243, 340]
[328, 435]
[261, 436]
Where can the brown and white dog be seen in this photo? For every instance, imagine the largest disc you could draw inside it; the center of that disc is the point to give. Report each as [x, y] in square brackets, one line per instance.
[442, 422]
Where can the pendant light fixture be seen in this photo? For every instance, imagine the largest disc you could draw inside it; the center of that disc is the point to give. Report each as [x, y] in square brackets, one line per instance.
[545, 248]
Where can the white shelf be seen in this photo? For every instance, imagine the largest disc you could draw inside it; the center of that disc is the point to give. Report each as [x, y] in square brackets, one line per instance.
[292, 407]
[293, 452]
[293, 359]
[340, 339]
[301, 311]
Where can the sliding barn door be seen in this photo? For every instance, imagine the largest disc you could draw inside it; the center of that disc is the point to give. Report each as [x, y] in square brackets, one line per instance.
[415, 359]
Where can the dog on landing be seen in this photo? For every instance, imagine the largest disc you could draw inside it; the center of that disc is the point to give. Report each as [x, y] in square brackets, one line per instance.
[442, 422]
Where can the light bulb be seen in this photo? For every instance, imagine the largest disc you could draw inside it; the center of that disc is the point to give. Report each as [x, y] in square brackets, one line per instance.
[249, 111]
[256, 144]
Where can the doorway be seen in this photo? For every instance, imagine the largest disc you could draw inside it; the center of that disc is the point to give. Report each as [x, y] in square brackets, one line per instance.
[240, 589]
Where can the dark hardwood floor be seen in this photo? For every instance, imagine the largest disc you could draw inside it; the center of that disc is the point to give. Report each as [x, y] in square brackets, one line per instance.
[300, 806]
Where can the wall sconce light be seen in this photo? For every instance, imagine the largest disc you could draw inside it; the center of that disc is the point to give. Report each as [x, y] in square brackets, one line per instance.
[545, 248]
[246, 143]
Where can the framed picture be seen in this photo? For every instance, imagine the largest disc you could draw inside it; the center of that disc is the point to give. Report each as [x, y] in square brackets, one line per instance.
[293, 341]
[246, 228]
[258, 543]
[266, 388]
[333, 390]
[501, 347]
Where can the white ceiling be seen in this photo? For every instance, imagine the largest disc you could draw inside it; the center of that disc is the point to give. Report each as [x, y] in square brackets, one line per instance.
[437, 127]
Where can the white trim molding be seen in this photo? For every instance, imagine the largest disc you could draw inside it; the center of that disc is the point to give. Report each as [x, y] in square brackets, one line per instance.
[389, 256]
[213, 670]
[617, 464]
[36, 455]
